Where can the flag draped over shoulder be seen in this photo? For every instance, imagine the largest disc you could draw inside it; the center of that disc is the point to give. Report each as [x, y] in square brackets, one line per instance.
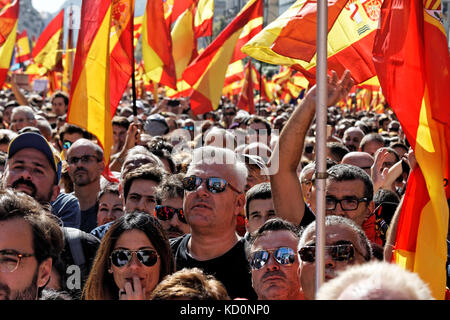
[290, 39]
[157, 46]
[413, 66]
[47, 51]
[23, 52]
[206, 74]
[121, 50]
[89, 104]
[8, 29]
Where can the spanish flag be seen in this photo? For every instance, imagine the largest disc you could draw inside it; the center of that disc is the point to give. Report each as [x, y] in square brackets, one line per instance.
[157, 46]
[206, 74]
[23, 52]
[246, 98]
[89, 105]
[203, 20]
[290, 39]
[121, 50]
[9, 17]
[413, 66]
[48, 49]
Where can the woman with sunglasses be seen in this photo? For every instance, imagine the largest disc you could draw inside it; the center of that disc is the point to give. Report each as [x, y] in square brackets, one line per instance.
[133, 257]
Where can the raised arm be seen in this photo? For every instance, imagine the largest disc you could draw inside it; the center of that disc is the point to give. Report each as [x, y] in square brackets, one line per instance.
[286, 190]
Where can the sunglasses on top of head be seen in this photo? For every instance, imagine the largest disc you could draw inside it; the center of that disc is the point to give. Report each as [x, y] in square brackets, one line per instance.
[213, 184]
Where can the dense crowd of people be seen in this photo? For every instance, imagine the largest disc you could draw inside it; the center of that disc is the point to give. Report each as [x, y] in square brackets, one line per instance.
[214, 206]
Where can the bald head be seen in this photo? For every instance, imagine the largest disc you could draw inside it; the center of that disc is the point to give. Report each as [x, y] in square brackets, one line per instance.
[359, 159]
[87, 143]
[352, 138]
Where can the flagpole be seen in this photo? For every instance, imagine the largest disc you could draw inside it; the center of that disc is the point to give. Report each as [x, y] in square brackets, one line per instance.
[321, 120]
[133, 79]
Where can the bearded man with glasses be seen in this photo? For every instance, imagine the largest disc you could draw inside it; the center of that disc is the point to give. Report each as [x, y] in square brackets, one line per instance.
[85, 160]
[214, 196]
[345, 244]
[30, 241]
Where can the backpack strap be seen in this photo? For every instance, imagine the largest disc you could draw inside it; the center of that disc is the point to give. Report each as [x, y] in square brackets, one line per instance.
[73, 236]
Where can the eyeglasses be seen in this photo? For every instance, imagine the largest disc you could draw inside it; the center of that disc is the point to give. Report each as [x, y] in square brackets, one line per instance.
[121, 257]
[166, 213]
[340, 252]
[346, 204]
[10, 260]
[84, 159]
[213, 184]
[67, 144]
[283, 255]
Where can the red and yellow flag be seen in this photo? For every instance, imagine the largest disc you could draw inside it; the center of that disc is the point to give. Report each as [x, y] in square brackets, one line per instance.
[157, 46]
[47, 51]
[23, 52]
[352, 26]
[413, 66]
[206, 74]
[89, 105]
[121, 50]
[246, 98]
[203, 20]
[9, 17]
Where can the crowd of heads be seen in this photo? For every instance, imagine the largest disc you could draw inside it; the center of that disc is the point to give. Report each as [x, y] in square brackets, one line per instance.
[207, 179]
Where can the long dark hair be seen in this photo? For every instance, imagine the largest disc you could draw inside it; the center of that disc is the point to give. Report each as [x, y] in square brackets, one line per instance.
[100, 284]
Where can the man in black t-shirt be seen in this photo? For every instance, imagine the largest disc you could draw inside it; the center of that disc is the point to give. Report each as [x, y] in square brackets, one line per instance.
[214, 196]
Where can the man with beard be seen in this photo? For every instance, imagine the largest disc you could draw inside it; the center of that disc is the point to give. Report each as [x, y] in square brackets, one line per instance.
[272, 253]
[85, 159]
[34, 167]
[26, 260]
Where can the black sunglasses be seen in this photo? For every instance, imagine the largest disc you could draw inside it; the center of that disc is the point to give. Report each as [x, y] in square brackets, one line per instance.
[166, 213]
[213, 184]
[283, 255]
[121, 257]
[340, 252]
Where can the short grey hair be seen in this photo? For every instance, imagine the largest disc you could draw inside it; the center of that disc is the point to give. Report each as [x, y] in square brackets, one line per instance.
[223, 156]
[363, 242]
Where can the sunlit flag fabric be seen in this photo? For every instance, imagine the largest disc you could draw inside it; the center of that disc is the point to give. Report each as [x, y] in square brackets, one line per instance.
[206, 74]
[413, 66]
[23, 52]
[203, 19]
[89, 105]
[121, 49]
[246, 98]
[47, 51]
[9, 17]
[290, 39]
[157, 46]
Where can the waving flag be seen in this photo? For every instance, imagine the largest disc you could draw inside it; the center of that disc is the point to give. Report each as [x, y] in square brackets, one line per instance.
[157, 46]
[121, 49]
[290, 39]
[204, 18]
[137, 29]
[413, 66]
[89, 104]
[47, 51]
[23, 52]
[206, 74]
[246, 98]
[9, 17]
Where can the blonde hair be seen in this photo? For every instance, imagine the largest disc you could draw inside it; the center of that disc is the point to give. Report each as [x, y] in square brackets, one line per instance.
[375, 280]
